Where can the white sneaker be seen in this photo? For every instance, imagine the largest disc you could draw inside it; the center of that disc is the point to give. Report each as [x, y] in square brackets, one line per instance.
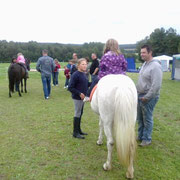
[47, 98]
[86, 99]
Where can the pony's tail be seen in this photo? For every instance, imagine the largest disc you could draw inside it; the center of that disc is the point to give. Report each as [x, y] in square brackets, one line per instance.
[124, 123]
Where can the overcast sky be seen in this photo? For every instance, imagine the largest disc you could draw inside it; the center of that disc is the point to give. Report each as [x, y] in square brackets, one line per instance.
[80, 21]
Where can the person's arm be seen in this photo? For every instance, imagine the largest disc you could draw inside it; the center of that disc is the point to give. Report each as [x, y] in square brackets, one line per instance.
[38, 66]
[95, 71]
[82, 96]
[124, 64]
[103, 63]
[71, 86]
[59, 66]
[156, 79]
[97, 68]
[53, 65]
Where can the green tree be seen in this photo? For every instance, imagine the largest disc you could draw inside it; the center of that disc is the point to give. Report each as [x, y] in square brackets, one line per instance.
[162, 42]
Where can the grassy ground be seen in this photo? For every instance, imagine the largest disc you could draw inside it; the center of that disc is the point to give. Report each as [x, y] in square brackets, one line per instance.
[36, 137]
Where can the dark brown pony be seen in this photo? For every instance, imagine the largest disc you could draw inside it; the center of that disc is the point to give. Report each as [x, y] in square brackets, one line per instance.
[27, 61]
[16, 74]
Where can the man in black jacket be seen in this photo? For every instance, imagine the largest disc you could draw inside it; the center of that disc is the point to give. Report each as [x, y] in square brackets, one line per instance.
[94, 69]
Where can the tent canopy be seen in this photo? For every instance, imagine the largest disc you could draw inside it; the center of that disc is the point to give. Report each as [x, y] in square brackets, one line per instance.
[164, 61]
[163, 57]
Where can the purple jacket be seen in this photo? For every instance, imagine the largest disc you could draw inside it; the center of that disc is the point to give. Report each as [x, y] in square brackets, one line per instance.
[112, 63]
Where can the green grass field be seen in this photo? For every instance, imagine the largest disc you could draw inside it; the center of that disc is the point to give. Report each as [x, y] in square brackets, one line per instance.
[36, 136]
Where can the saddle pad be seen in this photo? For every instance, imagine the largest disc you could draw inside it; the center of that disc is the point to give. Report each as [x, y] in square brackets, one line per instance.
[92, 92]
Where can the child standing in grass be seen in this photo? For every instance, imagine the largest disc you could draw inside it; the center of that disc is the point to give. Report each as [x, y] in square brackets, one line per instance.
[67, 74]
[55, 73]
[78, 87]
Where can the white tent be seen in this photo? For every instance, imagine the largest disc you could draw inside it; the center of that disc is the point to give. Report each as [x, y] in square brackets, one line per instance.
[164, 61]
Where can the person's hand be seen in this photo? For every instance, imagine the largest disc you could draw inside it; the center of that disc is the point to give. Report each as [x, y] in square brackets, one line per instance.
[82, 96]
[144, 100]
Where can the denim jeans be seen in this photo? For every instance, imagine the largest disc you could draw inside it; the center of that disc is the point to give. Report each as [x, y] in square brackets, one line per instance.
[55, 78]
[145, 118]
[66, 82]
[92, 86]
[93, 77]
[46, 81]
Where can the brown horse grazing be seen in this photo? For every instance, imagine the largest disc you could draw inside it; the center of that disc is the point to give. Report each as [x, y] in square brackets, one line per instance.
[16, 74]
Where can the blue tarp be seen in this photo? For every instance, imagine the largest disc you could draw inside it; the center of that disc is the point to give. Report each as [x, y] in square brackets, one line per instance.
[131, 66]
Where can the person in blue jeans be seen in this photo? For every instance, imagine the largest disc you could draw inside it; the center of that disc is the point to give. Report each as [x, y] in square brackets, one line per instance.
[148, 88]
[45, 65]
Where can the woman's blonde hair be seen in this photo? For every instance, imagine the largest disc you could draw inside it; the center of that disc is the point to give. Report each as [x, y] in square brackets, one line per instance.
[112, 45]
[80, 60]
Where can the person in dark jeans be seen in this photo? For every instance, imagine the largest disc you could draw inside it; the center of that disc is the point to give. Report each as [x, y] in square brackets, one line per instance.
[148, 88]
[45, 65]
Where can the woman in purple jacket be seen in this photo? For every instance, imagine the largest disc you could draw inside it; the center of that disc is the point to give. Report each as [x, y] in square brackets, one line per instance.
[112, 62]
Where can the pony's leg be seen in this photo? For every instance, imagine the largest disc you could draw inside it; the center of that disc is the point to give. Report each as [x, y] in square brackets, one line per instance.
[9, 90]
[9, 93]
[100, 138]
[18, 83]
[25, 85]
[22, 85]
[19, 92]
[130, 170]
[110, 143]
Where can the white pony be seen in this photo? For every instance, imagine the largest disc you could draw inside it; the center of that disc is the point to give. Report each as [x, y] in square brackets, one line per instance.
[115, 101]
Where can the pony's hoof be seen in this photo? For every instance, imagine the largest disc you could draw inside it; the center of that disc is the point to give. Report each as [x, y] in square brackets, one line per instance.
[106, 167]
[129, 176]
[99, 143]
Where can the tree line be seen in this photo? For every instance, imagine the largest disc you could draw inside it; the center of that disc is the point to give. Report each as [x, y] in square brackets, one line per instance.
[162, 42]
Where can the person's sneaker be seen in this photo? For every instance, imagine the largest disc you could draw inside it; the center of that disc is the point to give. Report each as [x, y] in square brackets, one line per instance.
[145, 143]
[138, 140]
[86, 99]
[47, 98]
